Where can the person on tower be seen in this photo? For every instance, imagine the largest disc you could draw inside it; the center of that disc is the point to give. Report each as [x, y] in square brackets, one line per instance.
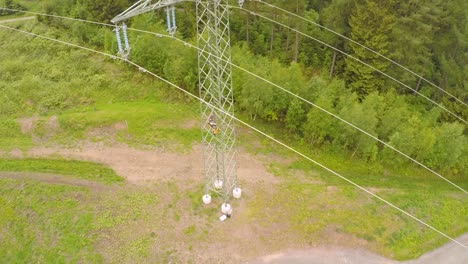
[213, 125]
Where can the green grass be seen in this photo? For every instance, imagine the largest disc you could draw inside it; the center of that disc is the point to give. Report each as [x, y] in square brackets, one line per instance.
[11, 136]
[42, 223]
[53, 78]
[77, 169]
[86, 93]
[329, 202]
[309, 209]
[57, 223]
[144, 123]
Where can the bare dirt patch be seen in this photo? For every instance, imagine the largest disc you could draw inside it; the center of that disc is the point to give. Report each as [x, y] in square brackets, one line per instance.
[332, 189]
[250, 169]
[192, 123]
[107, 132]
[157, 169]
[52, 124]
[16, 153]
[121, 126]
[27, 124]
[330, 236]
[145, 166]
[301, 176]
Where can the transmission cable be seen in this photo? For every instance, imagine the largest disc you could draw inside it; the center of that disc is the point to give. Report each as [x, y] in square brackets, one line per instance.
[361, 45]
[297, 31]
[249, 126]
[352, 57]
[281, 88]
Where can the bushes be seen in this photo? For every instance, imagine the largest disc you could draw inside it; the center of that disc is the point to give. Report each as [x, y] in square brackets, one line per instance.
[391, 117]
[387, 116]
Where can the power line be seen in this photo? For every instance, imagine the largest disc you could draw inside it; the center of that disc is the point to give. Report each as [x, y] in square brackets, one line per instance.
[283, 89]
[318, 107]
[361, 45]
[295, 30]
[249, 126]
[352, 57]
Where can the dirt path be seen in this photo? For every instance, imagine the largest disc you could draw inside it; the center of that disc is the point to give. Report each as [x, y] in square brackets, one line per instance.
[17, 19]
[325, 255]
[146, 166]
[450, 253]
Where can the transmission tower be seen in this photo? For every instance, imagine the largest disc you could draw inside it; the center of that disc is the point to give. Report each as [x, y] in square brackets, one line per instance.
[215, 87]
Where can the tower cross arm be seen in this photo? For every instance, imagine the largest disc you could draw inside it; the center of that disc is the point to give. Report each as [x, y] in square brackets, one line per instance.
[144, 6]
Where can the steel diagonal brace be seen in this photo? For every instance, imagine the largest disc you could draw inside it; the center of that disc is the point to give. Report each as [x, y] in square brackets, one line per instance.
[144, 6]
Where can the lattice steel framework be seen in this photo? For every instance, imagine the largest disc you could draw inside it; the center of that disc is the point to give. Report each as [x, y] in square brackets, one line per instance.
[215, 84]
[215, 75]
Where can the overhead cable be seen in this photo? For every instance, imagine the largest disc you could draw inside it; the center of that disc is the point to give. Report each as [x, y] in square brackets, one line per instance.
[249, 126]
[285, 90]
[362, 46]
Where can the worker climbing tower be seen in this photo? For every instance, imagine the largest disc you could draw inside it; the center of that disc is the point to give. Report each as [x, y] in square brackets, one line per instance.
[215, 76]
[215, 87]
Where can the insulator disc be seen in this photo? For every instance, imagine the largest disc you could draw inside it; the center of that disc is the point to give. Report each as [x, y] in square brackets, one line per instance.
[206, 199]
[226, 208]
[218, 184]
[237, 192]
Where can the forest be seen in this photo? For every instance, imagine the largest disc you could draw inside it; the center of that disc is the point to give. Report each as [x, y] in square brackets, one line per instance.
[428, 37]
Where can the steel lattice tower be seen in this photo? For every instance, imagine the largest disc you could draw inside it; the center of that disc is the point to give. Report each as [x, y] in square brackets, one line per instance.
[215, 76]
[215, 85]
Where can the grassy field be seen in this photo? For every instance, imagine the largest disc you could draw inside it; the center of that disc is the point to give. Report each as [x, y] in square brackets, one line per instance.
[42, 221]
[135, 123]
[60, 96]
[77, 169]
[124, 223]
[318, 201]
[46, 222]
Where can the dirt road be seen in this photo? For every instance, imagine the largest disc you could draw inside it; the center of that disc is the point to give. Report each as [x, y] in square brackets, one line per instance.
[450, 253]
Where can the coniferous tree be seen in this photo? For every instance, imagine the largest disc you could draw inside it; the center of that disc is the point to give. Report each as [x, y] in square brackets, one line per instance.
[411, 41]
[371, 24]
